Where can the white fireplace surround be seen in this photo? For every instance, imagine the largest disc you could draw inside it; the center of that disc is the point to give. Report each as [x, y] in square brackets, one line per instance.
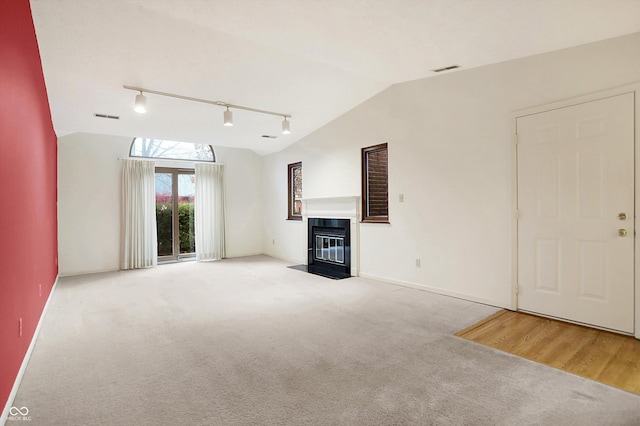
[347, 207]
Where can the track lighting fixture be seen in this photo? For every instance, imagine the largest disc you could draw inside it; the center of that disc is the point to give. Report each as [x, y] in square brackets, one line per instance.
[228, 117]
[141, 106]
[286, 126]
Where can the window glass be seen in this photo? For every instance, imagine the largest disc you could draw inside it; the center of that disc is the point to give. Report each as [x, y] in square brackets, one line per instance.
[155, 148]
[164, 213]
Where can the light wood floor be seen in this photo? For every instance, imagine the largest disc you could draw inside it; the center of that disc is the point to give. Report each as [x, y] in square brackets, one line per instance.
[598, 355]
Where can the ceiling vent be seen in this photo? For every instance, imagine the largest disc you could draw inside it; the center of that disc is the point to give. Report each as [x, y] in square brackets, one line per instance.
[451, 67]
[269, 136]
[111, 117]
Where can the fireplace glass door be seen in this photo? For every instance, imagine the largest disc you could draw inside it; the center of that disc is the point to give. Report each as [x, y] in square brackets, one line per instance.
[330, 248]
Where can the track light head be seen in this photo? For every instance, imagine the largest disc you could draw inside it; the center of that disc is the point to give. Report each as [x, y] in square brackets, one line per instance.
[228, 117]
[286, 126]
[140, 105]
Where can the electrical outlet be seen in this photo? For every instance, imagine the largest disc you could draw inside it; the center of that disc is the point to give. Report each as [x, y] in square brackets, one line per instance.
[401, 198]
[417, 263]
[20, 327]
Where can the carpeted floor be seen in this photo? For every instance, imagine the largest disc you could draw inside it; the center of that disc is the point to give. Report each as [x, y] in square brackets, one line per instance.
[252, 342]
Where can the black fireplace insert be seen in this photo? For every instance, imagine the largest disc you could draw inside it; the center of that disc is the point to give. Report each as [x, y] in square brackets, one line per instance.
[329, 248]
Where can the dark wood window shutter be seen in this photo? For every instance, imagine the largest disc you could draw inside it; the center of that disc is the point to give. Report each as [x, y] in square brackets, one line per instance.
[294, 187]
[375, 184]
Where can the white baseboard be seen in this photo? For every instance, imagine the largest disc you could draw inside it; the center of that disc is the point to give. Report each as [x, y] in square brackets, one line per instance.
[287, 259]
[27, 356]
[485, 301]
[87, 272]
[238, 256]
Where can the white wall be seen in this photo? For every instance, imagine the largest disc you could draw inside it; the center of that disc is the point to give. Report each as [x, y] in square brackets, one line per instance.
[89, 203]
[243, 200]
[450, 141]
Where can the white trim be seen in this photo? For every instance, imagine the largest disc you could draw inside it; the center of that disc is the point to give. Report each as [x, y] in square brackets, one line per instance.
[338, 198]
[91, 272]
[262, 253]
[27, 356]
[436, 290]
[288, 259]
[637, 209]
[603, 94]
[514, 221]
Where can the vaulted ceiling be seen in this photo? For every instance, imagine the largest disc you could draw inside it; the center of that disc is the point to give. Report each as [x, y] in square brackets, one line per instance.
[312, 59]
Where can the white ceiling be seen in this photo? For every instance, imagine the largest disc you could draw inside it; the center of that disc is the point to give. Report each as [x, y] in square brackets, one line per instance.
[313, 59]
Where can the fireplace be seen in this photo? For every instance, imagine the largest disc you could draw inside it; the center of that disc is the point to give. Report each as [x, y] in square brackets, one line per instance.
[329, 247]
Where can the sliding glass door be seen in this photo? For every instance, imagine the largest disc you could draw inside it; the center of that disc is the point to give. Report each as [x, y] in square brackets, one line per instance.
[175, 191]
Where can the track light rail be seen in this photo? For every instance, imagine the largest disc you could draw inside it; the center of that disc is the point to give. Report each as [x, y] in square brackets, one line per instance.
[205, 101]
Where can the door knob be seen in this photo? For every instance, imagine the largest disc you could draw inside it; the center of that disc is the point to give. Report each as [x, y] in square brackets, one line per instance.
[622, 216]
[622, 232]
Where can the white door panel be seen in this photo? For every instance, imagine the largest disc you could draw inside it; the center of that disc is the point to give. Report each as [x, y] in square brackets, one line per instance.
[575, 176]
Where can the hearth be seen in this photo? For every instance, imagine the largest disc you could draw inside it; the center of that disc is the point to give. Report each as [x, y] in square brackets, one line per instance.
[329, 247]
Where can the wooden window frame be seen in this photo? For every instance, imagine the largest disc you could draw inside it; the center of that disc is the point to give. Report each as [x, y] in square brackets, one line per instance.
[290, 190]
[365, 184]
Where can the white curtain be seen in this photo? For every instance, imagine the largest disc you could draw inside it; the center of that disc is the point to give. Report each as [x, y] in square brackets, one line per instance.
[139, 245]
[209, 211]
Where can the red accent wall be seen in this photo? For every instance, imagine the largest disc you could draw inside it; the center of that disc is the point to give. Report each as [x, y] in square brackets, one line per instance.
[28, 190]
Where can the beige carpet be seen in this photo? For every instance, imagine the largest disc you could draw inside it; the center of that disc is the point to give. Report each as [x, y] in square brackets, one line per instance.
[252, 342]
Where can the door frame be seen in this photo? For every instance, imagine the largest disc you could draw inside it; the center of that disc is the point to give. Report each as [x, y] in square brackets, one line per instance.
[175, 226]
[629, 88]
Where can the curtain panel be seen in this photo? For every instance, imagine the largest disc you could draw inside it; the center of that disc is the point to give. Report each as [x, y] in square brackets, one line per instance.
[209, 212]
[139, 241]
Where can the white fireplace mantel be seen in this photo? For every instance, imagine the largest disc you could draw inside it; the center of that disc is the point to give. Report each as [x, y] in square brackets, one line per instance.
[344, 207]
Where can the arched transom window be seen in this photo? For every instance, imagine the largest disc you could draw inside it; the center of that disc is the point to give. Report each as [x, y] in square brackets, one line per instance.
[171, 150]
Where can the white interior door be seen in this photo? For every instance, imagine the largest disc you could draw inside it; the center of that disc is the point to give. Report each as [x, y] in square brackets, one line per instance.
[576, 213]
